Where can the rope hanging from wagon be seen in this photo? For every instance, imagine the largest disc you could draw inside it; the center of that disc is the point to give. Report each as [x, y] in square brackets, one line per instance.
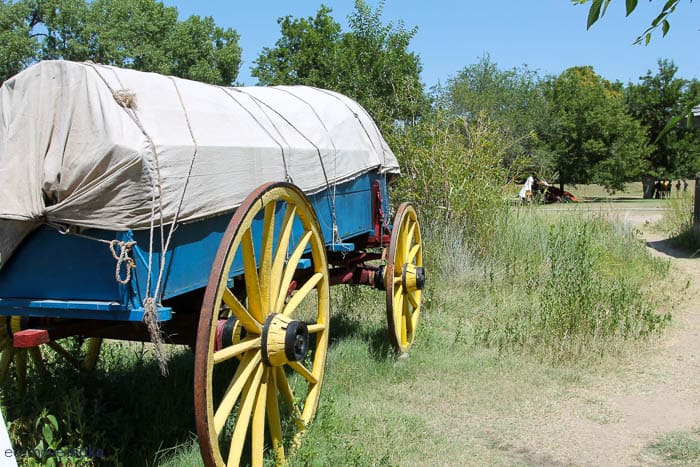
[127, 101]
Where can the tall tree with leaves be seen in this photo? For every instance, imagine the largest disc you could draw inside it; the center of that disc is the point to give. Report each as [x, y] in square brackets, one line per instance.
[654, 101]
[139, 34]
[514, 100]
[371, 62]
[595, 139]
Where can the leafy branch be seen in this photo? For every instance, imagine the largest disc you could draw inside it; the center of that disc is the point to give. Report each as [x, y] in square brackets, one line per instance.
[599, 7]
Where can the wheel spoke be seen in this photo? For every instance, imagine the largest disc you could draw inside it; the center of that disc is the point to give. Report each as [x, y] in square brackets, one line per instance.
[282, 248]
[411, 231]
[288, 397]
[21, 369]
[243, 418]
[413, 300]
[237, 349]
[302, 293]
[291, 267]
[240, 312]
[58, 348]
[266, 254]
[413, 253]
[252, 282]
[407, 323]
[92, 354]
[245, 369]
[7, 357]
[35, 355]
[258, 429]
[303, 371]
[398, 307]
[315, 328]
[273, 417]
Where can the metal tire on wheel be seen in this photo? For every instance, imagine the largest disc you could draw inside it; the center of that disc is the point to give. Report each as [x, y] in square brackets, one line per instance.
[260, 353]
[404, 278]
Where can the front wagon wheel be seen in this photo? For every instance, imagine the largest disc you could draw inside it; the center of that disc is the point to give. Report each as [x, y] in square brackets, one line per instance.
[404, 278]
[263, 331]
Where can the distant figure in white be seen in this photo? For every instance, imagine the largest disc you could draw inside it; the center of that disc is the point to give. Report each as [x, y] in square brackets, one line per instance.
[526, 190]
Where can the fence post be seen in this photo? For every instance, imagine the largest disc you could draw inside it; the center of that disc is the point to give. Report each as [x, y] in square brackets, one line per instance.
[696, 208]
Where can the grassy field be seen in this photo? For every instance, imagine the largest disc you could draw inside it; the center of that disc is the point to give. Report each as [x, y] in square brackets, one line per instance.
[557, 300]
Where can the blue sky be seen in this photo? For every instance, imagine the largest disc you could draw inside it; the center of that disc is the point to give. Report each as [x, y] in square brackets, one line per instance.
[547, 35]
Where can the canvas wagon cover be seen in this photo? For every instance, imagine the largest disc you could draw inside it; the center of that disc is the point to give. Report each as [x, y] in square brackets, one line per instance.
[90, 146]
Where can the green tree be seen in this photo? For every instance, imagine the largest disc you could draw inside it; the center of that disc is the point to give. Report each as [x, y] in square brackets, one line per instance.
[514, 100]
[17, 45]
[371, 63]
[139, 34]
[594, 138]
[654, 101]
[307, 52]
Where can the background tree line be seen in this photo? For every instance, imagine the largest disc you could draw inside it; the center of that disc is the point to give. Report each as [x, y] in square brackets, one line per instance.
[459, 143]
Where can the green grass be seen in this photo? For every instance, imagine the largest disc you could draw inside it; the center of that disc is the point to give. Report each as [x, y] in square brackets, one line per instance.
[504, 333]
[677, 448]
[677, 224]
[565, 286]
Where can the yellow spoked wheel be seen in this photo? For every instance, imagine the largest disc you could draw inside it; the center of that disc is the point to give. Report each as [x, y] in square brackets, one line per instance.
[262, 340]
[81, 355]
[404, 278]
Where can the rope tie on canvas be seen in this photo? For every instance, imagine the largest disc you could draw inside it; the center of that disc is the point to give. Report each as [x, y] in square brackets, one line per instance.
[331, 203]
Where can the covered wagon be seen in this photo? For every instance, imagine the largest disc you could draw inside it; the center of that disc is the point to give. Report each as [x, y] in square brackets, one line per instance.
[144, 207]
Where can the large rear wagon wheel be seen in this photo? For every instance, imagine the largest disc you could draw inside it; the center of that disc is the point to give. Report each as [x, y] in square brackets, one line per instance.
[261, 349]
[404, 278]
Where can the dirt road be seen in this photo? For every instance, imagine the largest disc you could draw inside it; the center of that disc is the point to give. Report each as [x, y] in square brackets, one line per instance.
[612, 421]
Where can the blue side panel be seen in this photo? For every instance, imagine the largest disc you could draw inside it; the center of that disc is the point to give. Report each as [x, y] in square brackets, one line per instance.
[49, 265]
[67, 276]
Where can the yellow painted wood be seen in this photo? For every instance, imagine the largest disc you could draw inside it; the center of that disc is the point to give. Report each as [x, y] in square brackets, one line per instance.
[236, 350]
[273, 417]
[301, 294]
[290, 269]
[314, 328]
[248, 365]
[256, 390]
[266, 257]
[301, 369]
[239, 311]
[404, 297]
[252, 281]
[282, 247]
[245, 410]
[276, 333]
[258, 428]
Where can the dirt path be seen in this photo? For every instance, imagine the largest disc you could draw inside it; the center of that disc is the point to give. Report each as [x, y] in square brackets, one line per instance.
[611, 422]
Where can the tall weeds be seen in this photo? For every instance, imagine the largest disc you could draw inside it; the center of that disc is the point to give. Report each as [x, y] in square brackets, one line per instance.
[562, 287]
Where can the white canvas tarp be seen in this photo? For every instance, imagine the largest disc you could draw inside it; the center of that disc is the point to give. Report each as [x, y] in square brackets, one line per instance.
[89, 145]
